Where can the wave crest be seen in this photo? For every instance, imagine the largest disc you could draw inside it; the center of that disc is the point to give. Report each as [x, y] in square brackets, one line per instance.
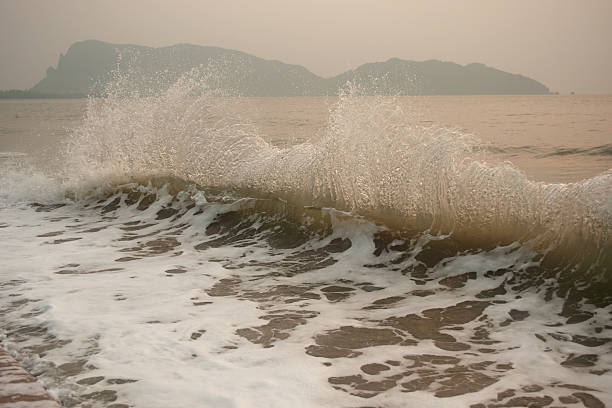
[373, 160]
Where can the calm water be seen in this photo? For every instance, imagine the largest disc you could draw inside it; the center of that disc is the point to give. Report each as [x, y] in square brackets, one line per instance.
[309, 252]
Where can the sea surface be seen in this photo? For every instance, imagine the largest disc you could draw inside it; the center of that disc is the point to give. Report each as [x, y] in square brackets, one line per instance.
[188, 250]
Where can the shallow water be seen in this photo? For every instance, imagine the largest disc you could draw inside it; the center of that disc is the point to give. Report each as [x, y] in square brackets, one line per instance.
[311, 252]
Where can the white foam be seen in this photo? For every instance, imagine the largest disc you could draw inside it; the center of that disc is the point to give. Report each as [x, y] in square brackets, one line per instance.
[147, 336]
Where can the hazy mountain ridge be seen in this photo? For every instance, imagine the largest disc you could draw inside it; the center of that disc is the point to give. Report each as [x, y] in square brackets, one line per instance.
[88, 65]
[435, 77]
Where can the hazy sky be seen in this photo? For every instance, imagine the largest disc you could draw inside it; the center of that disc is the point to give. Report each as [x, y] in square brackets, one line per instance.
[566, 44]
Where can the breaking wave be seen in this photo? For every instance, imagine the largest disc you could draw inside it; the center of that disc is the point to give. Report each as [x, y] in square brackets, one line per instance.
[372, 162]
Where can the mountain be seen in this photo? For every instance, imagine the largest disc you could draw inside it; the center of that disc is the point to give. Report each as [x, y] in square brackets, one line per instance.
[88, 66]
[434, 77]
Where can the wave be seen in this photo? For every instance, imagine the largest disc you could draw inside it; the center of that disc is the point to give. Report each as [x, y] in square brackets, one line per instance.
[373, 161]
[603, 150]
[313, 233]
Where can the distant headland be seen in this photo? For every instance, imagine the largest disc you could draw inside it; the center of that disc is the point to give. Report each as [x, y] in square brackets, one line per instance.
[88, 65]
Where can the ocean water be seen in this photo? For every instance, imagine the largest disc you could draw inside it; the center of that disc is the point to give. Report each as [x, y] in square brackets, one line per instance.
[191, 250]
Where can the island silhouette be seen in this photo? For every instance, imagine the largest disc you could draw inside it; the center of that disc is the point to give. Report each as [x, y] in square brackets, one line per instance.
[89, 65]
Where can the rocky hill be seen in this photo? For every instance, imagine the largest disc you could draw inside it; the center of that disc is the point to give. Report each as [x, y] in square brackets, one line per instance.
[88, 65]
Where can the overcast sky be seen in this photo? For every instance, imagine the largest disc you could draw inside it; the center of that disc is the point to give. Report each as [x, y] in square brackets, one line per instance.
[566, 44]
